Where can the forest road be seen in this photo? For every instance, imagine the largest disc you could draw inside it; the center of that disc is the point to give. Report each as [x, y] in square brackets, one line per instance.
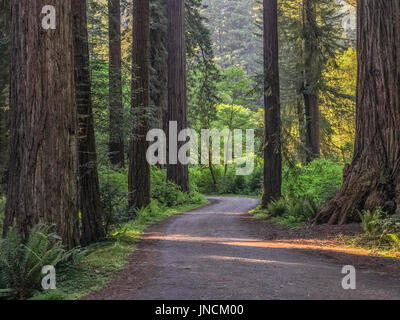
[220, 252]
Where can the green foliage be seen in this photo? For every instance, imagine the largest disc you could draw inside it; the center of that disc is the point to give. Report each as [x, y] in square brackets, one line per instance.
[320, 180]
[168, 193]
[21, 262]
[370, 221]
[114, 196]
[289, 212]
[380, 230]
[99, 262]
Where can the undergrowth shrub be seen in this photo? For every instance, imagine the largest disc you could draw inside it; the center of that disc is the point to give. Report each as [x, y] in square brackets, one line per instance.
[290, 211]
[21, 262]
[319, 180]
[380, 229]
[114, 194]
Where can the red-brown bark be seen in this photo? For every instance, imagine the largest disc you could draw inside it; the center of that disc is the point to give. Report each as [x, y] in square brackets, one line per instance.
[42, 185]
[272, 139]
[373, 178]
[139, 168]
[89, 190]
[116, 142]
[177, 100]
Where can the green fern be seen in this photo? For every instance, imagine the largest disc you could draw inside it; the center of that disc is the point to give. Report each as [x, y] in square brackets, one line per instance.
[21, 262]
[370, 221]
[396, 240]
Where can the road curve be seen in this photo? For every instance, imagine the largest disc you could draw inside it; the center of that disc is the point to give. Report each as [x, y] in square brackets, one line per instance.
[215, 252]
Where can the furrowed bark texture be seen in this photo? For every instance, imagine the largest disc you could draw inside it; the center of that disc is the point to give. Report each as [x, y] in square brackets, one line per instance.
[116, 143]
[177, 104]
[42, 184]
[89, 190]
[139, 168]
[4, 92]
[373, 178]
[272, 139]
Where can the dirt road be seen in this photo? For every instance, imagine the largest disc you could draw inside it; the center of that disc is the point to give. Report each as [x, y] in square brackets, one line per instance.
[220, 252]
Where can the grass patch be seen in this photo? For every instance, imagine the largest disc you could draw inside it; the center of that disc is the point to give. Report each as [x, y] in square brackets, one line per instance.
[97, 264]
[282, 221]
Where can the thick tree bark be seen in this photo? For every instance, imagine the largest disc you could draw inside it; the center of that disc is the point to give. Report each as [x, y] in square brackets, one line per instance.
[272, 139]
[89, 190]
[42, 185]
[4, 92]
[373, 178]
[139, 168]
[310, 90]
[158, 66]
[116, 143]
[177, 108]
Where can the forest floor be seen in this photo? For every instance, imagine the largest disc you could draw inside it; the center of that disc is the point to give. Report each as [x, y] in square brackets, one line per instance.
[221, 252]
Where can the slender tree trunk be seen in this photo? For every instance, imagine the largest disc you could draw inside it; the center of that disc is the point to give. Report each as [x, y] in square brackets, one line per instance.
[139, 168]
[116, 143]
[373, 178]
[42, 185]
[310, 90]
[89, 190]
[210, 166]
[4, 92]
[177, 108]
[272, 147]
[302, 130]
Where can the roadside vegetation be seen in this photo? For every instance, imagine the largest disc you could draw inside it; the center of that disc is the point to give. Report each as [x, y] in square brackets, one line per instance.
[83, 270]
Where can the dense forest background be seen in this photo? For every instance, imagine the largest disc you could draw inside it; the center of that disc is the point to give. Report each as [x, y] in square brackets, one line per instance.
[225, 89]
[79, 170]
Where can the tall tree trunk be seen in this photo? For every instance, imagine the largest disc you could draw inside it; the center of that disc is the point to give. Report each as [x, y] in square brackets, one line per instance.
[177, 109]
[302, 130]
[4, 86]
[139, 168]
[310, 90]
[272, 147]
[42, 185]
[89, 190]
[158, 66]
[373, 178]
[116, 143]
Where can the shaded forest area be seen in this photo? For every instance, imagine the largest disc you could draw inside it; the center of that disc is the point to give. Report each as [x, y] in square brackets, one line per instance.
[317, 80]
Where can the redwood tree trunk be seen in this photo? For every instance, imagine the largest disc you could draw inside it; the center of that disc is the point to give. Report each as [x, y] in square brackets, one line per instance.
[373, 178]
[310, 90]
[89, 190]
[177, 108]
[42, 185]
[116, 143]
[272, 139]
[4, 92]
[139, 168]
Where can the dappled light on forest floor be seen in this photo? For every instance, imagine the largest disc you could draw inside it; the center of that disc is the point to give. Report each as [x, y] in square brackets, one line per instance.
[301, 244]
